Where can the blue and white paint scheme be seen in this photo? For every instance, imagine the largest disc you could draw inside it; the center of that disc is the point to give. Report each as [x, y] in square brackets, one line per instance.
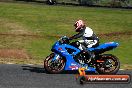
[60, 50]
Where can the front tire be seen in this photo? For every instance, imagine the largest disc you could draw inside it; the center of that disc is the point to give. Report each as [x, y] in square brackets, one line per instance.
[53, 67]
[110, 65]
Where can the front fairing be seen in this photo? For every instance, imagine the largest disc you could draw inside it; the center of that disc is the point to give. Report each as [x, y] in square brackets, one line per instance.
[61, 49]
[56, 45]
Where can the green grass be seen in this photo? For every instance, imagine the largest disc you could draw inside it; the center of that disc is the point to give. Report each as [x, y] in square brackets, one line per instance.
[49, 21]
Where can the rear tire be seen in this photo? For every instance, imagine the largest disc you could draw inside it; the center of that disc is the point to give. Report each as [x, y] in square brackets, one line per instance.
[102, 67]
[52, 69]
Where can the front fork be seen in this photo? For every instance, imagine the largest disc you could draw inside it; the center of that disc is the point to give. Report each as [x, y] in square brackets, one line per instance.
[56, 57]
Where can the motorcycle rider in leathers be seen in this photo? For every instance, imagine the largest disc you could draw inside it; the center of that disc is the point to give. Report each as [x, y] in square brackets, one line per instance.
[89, 39]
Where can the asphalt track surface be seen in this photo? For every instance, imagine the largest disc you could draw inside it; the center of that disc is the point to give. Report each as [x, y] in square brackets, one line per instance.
[31, 76]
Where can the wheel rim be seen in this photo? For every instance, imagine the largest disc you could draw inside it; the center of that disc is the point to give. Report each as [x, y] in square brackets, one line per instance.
[109, 64]
[54, 66]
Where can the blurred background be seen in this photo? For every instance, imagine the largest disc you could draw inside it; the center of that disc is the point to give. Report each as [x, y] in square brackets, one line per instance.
[107, 3]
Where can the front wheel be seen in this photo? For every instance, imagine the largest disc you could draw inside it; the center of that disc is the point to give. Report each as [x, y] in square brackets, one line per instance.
[54, 67]
[108, 64]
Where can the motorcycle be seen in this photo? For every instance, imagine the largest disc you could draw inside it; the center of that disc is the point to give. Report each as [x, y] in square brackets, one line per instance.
[66, 56]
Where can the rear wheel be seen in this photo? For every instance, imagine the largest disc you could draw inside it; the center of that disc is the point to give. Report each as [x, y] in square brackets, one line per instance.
[56, 66]
[108, 64]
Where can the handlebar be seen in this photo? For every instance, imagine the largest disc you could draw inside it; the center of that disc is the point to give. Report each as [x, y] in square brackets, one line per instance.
[64, 40]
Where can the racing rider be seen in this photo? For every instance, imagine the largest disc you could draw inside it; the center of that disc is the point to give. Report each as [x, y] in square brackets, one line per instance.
[89, 39]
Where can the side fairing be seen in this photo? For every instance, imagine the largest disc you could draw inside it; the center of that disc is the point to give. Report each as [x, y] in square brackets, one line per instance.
[71, 64]
[62, 49]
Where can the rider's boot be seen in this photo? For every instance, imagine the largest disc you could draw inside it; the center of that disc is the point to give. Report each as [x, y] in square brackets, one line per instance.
[90, 54]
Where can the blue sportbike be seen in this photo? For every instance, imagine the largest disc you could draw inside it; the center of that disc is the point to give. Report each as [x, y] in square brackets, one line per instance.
[66, 56]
